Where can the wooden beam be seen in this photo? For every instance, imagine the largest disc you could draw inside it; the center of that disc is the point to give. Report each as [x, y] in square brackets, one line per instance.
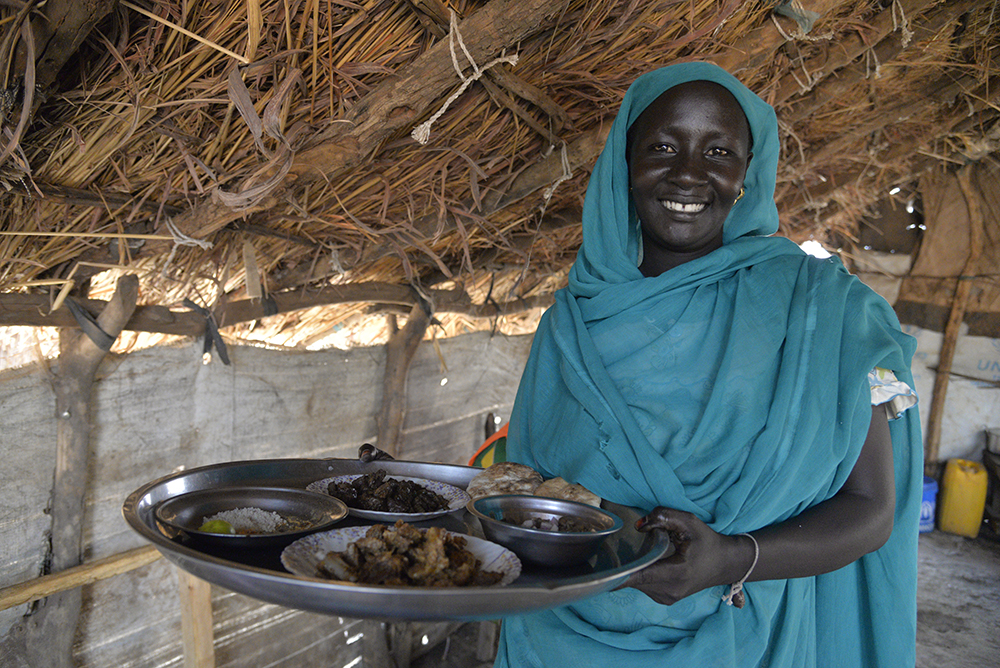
[952, 330]
[67, 23]
[837, 55]
[580, 154]
[32, 310]
[246, 310]
[849, 78]
[375, 644]
[102, 199]
[435, 16]
[401, 639]
[759, 45]
[77, 576]
[196, 621]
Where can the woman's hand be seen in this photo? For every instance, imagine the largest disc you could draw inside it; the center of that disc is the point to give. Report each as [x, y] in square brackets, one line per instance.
[701, 558]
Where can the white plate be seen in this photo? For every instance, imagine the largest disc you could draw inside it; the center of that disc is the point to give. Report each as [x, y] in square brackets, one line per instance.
[457, 498]
[303, 556]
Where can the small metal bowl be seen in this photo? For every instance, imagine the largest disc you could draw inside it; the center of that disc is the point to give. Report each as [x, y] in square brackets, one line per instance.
[501, 518]
[306, 512]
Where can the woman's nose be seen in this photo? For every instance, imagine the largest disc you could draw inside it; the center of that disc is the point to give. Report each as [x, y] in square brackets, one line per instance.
[687, 169]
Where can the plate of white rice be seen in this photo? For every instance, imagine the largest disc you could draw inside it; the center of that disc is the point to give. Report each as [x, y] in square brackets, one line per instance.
[249, 516]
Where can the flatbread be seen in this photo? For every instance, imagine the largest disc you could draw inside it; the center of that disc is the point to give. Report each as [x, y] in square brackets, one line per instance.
[504, 478]
[557, 488]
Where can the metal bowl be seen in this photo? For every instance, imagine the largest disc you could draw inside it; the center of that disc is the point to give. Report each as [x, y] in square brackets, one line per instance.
[501, 518]
[305, 512]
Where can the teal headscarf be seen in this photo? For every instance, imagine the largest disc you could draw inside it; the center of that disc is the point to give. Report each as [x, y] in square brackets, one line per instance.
[735, 387]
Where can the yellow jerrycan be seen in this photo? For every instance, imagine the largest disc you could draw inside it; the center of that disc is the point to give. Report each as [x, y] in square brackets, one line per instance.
[963, 497]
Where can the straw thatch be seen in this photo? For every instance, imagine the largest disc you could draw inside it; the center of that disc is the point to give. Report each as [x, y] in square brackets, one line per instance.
[261, 152]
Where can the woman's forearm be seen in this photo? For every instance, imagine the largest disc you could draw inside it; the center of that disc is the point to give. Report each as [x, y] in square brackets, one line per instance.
[855, 521]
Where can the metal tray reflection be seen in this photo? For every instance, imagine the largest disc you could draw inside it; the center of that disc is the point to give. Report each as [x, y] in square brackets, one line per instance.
[258, 572]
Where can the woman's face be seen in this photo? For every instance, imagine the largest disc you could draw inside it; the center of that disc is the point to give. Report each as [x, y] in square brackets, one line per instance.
[688, 156]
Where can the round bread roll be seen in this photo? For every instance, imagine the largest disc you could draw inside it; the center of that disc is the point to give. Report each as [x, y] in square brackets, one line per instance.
[557, 488]
[504, 478]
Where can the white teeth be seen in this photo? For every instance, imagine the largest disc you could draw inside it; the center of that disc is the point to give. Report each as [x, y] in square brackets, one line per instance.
[684, 208]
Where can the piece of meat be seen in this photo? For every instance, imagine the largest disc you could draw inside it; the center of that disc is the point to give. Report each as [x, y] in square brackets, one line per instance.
[403, 555]
[377, 492]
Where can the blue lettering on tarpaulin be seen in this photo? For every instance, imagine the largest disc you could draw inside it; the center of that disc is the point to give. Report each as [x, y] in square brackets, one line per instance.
[988, 365]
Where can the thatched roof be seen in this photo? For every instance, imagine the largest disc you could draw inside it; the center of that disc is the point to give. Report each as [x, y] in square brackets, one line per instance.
[255, 156]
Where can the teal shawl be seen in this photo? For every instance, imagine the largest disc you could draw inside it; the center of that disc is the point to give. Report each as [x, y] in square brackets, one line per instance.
[734, 387]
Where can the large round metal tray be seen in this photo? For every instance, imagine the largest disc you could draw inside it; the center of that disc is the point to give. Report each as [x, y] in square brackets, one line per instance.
[259, 574]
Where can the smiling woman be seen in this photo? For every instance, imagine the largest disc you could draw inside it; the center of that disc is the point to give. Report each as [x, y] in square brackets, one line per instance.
[688, 154]
[718, 378]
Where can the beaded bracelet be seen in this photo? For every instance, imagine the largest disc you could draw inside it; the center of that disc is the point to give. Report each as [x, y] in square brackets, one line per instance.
[736, 597]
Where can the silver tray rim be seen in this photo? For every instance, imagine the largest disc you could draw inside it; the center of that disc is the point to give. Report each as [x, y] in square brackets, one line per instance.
[366, 601]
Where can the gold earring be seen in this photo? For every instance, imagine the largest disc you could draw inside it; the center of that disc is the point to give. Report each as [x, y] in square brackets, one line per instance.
[740, 196]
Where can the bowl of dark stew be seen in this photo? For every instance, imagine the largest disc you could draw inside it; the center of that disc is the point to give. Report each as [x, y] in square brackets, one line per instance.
[544, 531]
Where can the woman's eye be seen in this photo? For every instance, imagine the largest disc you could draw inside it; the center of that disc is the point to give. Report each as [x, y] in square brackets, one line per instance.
[718, 151]
[663, 148]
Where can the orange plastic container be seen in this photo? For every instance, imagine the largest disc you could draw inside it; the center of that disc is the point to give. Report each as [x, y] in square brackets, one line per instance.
[963, 497]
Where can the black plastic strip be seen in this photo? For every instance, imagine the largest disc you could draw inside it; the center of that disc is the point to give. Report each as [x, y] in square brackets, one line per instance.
[88, 324]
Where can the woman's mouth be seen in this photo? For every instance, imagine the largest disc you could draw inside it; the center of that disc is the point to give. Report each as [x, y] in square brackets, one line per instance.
[681, 207]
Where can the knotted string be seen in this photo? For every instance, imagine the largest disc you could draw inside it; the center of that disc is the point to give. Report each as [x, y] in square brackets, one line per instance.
[181, 239]
[422, 133]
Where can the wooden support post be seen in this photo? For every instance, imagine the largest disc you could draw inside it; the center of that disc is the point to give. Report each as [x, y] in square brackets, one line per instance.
[399, 353]
[401, 643]
[46, 638]
[375, 646]
[952, 329]
[196, 621]
[486, 641]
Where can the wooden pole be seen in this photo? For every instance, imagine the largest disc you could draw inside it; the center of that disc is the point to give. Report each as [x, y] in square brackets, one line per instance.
[399, 353]
[46, 638]
[953, 328]
[375, 648]
[196, 621]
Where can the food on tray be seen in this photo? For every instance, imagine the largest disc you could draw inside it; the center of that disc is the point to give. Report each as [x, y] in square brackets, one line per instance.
[246, 521]
[375, 491]
[504, 478]
[561, 524]
[405, 555]
[512, 478]
[557, 488]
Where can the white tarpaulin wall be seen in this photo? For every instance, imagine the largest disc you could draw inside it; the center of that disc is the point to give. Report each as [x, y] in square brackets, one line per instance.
[972, 404]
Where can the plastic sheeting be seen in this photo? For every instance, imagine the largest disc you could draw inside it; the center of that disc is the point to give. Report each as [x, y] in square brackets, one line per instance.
[945, 247]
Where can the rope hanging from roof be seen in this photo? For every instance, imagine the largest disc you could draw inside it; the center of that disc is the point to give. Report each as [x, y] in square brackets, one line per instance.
[422, 133]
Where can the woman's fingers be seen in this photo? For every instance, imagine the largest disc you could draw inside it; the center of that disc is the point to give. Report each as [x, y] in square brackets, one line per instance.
[680, 525]
[696, 562]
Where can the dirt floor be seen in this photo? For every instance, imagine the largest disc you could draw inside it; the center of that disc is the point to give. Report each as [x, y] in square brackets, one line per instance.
[958, 610]
[958, 602]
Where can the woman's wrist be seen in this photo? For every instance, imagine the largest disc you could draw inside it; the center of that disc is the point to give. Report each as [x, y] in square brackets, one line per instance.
[744, 553]
[734, 595]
